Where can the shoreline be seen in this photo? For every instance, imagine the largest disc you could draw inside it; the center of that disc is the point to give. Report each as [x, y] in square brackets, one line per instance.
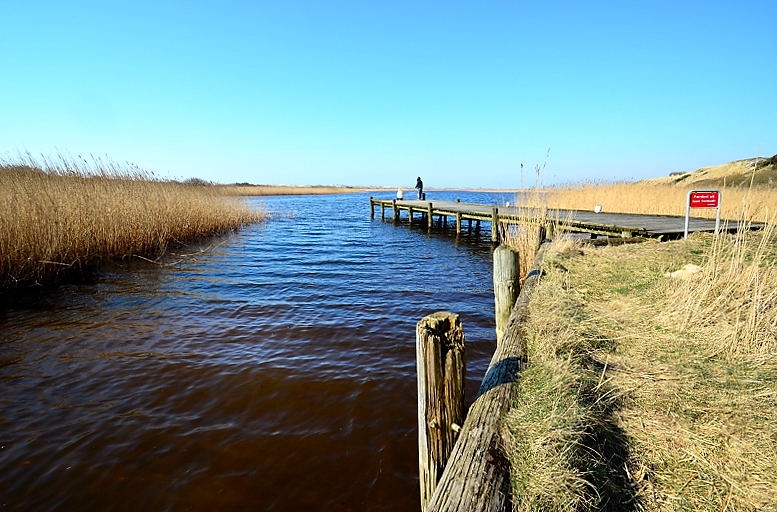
[278, 190]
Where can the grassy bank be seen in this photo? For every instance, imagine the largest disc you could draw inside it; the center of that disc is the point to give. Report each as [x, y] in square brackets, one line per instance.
[649, 388]
[64, 216]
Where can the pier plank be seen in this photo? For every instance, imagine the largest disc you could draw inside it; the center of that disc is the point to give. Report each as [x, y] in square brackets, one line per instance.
[602, 223]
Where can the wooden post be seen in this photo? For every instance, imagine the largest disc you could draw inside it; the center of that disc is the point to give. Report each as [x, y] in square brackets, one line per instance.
[495, 225]
[410, 215]
[477, 476]
[550, 230]
[507, 286]
[458, 223]
[396, 210]
[430, 220]
[541, 233]
[372, 208]
[441, 371]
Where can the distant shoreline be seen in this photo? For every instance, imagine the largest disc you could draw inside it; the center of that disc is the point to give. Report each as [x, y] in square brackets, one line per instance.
[289, 190]
[279, 190]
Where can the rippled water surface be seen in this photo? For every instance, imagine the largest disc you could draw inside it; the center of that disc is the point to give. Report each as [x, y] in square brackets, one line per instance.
[273, 369]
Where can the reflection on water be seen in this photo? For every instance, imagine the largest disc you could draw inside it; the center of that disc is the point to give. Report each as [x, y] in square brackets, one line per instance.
[274, 370]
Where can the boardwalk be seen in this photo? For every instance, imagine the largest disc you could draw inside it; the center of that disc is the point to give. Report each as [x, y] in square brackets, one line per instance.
[610, 224]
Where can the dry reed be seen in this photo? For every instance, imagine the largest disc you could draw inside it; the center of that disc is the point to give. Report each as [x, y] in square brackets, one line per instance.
[67, 215]
[673, 376]
[659, 199]
[526, 237]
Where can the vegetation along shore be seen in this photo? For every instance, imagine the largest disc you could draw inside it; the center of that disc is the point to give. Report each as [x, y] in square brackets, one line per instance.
[748, 189]
[652, 376]
[247, 189]
[65, 216]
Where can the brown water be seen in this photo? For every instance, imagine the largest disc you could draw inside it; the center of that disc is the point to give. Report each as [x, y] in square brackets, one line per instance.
[273, 371]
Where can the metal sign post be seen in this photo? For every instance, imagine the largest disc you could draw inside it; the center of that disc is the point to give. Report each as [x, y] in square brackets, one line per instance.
[703, 199]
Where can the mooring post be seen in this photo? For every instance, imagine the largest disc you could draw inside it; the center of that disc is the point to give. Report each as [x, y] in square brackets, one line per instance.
[395, 210]
[458, 223]
[541, 233]
[550, 230]
[372, 208]
[495, 225]
[507, 286]
[430, 221]
[441, 372]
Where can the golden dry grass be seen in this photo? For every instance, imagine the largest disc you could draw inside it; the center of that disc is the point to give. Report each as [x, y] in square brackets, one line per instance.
[758, 172]
[662, 199]
[526, 237]
[651, 392]
[63, 216]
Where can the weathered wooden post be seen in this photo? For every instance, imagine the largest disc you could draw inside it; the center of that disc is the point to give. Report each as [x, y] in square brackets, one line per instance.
[430, 221]
[441, 371]
[372, 208]
[507, 286]
[550, 230]
[458, 223]
[495, 225]
[395, 210]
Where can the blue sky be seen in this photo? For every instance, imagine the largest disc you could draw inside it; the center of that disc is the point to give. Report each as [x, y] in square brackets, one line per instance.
[377, 93]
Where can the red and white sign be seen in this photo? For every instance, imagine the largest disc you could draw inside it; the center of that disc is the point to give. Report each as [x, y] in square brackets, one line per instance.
[704, 199]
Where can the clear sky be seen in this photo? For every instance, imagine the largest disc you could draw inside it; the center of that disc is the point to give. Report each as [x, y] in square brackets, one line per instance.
[378, 92]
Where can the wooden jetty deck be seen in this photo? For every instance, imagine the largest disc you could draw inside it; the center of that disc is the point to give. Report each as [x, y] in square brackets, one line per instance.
[622, 225]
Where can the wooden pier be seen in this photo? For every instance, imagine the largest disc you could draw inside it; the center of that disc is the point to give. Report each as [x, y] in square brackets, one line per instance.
[623, 225]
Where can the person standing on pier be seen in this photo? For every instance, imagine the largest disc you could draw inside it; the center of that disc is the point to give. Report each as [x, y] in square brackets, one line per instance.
[419, 184]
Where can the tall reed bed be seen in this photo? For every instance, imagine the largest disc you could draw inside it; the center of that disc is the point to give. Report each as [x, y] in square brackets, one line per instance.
[659, 199]
[66, 215]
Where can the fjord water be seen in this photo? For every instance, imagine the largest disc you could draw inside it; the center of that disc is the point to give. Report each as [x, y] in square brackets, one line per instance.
[269, 369]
